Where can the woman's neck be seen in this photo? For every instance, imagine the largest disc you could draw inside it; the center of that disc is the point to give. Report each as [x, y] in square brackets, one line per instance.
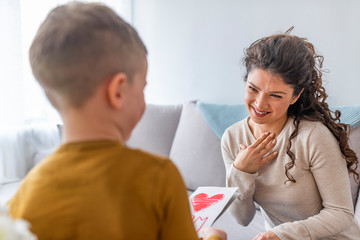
[259, 129]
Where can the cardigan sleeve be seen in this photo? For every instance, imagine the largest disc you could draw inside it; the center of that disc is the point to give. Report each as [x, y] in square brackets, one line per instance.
[330, 173]
[243, 208]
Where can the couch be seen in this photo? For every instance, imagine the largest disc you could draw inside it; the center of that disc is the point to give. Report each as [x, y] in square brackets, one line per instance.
[181, 133]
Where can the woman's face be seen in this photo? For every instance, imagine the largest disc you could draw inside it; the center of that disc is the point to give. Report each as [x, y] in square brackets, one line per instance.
[267, 98]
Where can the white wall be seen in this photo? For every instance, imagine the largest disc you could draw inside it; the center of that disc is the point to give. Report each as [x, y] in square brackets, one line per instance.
[196, 46]
[11, 100]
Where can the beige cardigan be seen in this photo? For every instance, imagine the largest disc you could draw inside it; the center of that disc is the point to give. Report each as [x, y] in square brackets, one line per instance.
[318, 205]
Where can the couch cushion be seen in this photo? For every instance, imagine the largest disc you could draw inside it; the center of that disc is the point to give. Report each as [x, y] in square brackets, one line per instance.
[354, 142]
[196, 150]
[156, 129]
[42, 154]
[234, 230]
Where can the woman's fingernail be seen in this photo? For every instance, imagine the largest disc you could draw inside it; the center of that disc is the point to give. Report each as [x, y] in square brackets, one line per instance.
[272, 135]
[266, 133]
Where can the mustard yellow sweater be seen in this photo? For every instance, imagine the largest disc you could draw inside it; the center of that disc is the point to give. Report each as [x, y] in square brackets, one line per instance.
[104, 190]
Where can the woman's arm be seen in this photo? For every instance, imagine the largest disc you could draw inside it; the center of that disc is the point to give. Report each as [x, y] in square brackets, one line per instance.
[242, 163]
[330, 173]
[243, 208]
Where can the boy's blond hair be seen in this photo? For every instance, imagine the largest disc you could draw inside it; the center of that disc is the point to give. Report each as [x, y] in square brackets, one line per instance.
[78, 46]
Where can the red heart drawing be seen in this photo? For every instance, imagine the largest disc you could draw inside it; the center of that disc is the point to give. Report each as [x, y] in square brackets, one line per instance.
[202, 200]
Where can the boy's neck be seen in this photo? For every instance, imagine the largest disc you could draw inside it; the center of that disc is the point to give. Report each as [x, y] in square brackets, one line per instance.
[84, 127]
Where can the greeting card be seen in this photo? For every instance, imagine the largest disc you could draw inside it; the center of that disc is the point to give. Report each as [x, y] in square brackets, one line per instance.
[208, 203]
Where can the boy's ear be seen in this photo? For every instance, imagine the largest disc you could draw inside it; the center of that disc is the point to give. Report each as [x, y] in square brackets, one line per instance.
[116, 90]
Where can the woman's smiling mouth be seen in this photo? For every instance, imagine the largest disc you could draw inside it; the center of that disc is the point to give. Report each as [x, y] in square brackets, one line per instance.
[259, 113]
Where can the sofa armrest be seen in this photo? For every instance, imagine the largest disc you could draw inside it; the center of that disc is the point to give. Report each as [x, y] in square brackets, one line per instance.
[18, 146]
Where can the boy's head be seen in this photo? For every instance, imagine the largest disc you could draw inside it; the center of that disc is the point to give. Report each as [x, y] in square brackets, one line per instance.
[79, 46]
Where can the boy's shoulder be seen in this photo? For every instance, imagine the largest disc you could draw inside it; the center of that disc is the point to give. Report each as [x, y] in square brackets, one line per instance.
[142, 156]
[71, 165]
[86, 156]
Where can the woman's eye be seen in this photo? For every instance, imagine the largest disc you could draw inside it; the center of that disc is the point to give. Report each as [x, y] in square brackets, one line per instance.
[276, 96]
[252, 89]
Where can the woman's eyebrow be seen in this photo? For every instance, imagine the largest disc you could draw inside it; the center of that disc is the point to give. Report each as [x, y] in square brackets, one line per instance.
[272, 92]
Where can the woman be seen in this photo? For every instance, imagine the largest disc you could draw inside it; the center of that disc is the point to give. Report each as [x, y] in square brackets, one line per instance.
[291, 155]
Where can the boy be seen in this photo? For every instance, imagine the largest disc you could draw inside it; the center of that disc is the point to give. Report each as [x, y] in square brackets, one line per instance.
[92, 66]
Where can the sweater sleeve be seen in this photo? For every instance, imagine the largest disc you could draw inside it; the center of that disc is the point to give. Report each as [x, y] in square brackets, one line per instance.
[243, 208]
[172, 205]
[330, 172]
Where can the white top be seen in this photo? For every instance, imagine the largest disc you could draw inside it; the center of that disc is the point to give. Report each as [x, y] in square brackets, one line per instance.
[318, 205]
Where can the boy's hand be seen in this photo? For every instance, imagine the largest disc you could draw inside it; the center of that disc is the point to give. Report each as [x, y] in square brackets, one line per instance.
[269, 235]
[213, 234]
[251, 158]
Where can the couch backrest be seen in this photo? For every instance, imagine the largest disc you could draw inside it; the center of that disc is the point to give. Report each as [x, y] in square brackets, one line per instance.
[181, 133]
[156, 129]
[196, 150]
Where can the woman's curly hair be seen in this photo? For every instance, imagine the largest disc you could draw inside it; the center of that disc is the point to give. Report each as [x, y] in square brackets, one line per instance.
[295, 60]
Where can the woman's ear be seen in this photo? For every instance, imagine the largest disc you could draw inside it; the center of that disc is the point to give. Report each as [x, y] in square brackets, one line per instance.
[295, 98]
[116, 90]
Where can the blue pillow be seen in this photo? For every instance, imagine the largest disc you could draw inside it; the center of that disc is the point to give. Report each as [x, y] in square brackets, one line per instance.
[221, 116]
[349, 115]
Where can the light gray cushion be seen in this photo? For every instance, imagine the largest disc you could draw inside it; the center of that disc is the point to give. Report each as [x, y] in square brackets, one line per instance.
[156, 130]
[196, 150]
[41, 155]
[234, 230]
[354, 142]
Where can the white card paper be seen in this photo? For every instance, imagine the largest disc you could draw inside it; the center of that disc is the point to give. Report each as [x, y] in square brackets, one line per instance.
[208, 203]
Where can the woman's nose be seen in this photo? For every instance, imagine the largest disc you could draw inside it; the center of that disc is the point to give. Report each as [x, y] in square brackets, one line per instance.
[261, 102]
